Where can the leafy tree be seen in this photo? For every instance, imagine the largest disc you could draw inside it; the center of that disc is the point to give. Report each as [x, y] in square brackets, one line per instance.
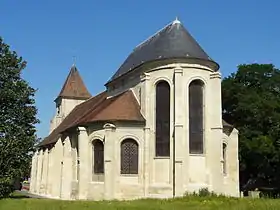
[251, 102]
[17, 119]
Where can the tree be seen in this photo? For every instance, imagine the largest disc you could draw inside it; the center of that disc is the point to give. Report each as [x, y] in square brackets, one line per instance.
[251, 102]
[17, 119]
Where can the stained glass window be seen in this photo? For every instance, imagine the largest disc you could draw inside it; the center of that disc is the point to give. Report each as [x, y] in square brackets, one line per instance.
[163, 119]
[196, 112]
[98, 157]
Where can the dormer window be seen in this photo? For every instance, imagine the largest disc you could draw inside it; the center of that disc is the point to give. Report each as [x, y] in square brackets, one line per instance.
[58, 109]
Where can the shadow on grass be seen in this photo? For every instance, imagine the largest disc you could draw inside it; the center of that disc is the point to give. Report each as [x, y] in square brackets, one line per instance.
[19, 195]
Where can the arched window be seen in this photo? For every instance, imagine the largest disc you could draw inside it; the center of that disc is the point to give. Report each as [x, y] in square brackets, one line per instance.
[98, 157]
[163, 119]
[196, 113]
[225, 158]
[129, 157]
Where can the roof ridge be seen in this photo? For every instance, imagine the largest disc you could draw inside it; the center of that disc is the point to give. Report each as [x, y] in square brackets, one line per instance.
[109, 103]
[98, 94]
[61, 128]
[65, 82]
[135, 99]
[75, 122]
[97, 110]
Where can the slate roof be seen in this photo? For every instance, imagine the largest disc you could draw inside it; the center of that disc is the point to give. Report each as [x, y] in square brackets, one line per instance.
[74, 86]
[123, 107]
[173, 41]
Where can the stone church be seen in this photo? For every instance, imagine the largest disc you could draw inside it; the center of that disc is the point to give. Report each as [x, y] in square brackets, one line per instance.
[155, 132]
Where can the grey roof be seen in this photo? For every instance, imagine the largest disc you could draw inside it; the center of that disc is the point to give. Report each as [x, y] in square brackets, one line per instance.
[173, 41]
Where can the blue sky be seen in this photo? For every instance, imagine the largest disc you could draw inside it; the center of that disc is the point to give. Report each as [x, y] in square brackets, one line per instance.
[102, 33]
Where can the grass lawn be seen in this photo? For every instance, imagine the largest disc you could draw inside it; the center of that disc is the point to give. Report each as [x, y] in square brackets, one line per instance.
[187, 203]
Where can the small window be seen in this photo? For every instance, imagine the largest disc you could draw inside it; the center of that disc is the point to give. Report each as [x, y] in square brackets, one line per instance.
[98, 157]
[224, 158]
[58, 108]
[129, 157]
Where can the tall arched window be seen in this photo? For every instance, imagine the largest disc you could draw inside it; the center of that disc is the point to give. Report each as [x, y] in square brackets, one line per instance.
[162, 119]
[129, 157]
[196, 113]
[98, 157]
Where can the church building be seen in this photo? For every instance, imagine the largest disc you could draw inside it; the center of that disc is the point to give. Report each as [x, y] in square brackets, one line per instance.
[155, 132]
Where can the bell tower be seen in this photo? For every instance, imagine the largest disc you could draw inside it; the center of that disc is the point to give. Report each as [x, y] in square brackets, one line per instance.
[72, 93]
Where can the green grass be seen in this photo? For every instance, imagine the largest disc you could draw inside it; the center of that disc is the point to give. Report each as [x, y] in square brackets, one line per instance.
[187, 203]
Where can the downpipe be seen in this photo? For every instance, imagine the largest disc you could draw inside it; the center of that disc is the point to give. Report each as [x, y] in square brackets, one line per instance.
[173, 138]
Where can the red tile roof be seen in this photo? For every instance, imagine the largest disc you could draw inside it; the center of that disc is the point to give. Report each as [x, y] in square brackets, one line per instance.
[123, 107]
[74, 86]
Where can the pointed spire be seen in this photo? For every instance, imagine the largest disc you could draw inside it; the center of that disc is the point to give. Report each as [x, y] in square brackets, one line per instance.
[74, 86]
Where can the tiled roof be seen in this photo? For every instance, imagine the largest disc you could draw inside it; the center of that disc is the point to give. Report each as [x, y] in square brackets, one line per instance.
[173, 41]
[123, 107]
[227, 128]
[74, 86]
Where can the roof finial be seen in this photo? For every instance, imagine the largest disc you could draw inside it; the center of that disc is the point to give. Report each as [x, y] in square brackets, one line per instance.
[74, 60]
[176, 20]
